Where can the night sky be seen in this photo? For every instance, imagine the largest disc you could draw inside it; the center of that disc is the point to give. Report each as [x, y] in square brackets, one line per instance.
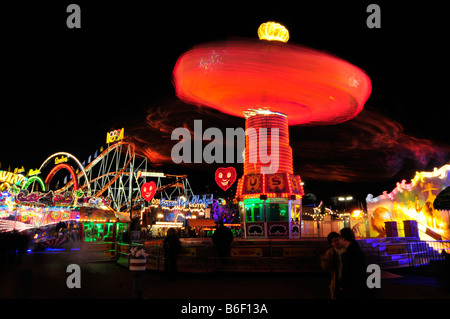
[63, 89]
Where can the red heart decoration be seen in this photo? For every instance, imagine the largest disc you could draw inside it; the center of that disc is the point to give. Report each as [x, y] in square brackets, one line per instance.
[148, 190]
[225, 177]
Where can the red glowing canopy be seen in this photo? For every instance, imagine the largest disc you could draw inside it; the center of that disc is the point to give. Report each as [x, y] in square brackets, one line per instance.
[309, 86]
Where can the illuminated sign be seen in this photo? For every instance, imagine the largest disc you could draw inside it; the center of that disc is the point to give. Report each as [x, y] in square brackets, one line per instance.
[253, 183]
[296, 184]
[18, 170]
[148, 190]
[276, 183]
[51, 198]
[168, 224]
[181, 201]
[225, 177]
[149, 174]
[63, 159]
[114, 136]
[12, 178]
[32, 172]
[44, 198]
[271, 185]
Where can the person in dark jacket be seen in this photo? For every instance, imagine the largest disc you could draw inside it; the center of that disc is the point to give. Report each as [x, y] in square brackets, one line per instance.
[331, 262]
[352, 283]
[172, 248]
[222, 239]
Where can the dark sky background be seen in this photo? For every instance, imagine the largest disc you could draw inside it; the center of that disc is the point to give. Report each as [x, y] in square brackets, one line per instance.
[63, 89]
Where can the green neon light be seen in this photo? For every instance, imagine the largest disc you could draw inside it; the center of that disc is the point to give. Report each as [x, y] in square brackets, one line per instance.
[35, 178]
[252, 201]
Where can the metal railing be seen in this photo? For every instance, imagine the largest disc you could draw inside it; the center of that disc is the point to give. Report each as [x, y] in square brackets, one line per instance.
[422, 253]
[407, 252]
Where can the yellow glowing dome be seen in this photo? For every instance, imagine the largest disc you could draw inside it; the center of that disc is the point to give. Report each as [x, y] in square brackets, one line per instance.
[273, 31]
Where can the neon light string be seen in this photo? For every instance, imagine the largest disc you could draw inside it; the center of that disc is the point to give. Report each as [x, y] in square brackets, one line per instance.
[32, 179]
[56, 169]
[83, 171]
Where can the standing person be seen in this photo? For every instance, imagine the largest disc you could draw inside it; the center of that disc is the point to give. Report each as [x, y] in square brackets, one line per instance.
[352, 283]
[331, 261]
[222, 239]
[172, 247]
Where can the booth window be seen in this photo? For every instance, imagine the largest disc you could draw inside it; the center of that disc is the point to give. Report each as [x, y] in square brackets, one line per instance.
[254, 212]
[277, 212]
[296, 212]
[97, 232]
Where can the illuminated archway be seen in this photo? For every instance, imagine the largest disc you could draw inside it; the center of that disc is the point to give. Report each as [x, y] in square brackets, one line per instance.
[76, 161]
[56, 169]
[35, 178]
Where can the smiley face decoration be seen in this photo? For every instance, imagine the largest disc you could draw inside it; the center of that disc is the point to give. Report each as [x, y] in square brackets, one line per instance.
[148, 190]
[225, 177]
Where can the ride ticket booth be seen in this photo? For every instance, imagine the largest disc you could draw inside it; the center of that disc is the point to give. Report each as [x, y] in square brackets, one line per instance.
[269, 213]
[100, 230]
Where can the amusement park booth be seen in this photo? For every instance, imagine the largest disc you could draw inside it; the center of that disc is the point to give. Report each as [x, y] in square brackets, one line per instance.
[100, 230]
[269, 211]
[409, 209]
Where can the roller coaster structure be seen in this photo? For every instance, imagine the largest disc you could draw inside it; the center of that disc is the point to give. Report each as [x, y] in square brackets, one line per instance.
[117, 174]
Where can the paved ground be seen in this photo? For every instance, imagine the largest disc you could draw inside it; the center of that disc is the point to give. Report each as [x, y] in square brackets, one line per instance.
[43, 276]
[108, 291]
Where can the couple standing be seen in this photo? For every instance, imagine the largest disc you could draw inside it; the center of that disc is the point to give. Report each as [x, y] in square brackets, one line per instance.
[346, 262]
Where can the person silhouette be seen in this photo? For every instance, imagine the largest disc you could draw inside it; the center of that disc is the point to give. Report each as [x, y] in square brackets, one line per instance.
[331, 262]
[352, 283]
[222, 239]
[172, 247]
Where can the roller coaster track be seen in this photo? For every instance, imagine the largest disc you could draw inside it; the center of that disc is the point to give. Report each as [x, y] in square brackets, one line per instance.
[118, 174]
[97, 160]
[159, 190]
[102, 173]
[176, 183]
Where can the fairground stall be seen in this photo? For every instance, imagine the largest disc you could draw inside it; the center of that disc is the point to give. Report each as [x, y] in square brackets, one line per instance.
[59, 221]
[101, 228]
[408, 210]
[183, 213]
[407, 226]
[48, 219]
[270, 205]
[34, 205]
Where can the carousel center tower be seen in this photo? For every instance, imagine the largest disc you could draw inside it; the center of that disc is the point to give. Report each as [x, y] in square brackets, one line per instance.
[269, 203]
[272, 84]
